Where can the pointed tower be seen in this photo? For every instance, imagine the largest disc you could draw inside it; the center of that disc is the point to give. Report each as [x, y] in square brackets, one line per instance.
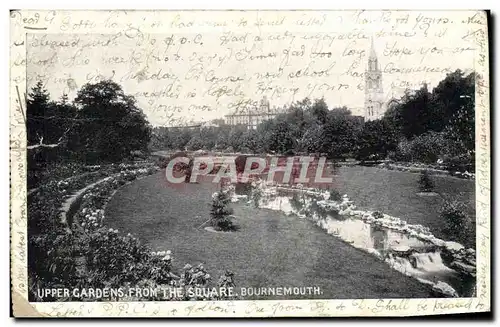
[374, 93]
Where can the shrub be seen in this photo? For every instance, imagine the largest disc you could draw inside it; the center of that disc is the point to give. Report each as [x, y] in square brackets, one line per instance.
[425, 183]
[162, 162]
[221, 212]
[91, 255]
[426, 148]
[457, 223]
[335, 195]
[188, 170]
[226, 280]
[459, 163]
[297, 202]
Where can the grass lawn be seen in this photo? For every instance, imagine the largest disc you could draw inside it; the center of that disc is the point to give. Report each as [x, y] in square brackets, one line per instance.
[270, 250]
[395, 193]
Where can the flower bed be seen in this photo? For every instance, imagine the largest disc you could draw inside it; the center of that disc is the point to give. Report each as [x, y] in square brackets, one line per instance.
[431, 169]
[90, 255]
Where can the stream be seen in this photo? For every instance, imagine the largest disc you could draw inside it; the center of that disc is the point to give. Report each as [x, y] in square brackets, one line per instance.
[406, 253]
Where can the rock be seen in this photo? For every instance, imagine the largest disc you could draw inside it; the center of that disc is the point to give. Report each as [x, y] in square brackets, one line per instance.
[427, 194]
[444, 288]
[453, 246]
[457, 265]
[471, 261]
[347, 211]
[471, 251]
[401, 248]
[438, 242]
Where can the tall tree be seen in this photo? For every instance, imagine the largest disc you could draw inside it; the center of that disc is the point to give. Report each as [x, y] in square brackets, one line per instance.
[111, 124]
[282, 138]
[376, 139]
[339, 134]
[36, 111]
[319, 111]
[313, 140]
[454, 97]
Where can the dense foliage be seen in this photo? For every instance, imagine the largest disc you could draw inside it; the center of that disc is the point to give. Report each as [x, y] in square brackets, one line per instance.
[82, 253]
[422, 126]
[307, 127]
[457, 222]
[101, 125]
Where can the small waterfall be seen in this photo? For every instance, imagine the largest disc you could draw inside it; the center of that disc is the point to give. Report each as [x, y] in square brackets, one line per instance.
[402, 265]
[430, 261]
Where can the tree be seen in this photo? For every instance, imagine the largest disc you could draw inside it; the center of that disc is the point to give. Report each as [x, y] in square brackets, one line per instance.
[195, 143]
[209, 137]
[450, 103]
[221, 212]
[312, 140]
[251, 140]
[235, 137]
[376, 139]
[426, 148]
[281, 139]
[180, 138]
[48, 124]
[340, 135]
[425, 182]
[458, 225]
[111, 124]
[222, 141]
[455, 98]
[454, 93]
[319, 111]
[47, 121]
[414, 114]
[160, 138]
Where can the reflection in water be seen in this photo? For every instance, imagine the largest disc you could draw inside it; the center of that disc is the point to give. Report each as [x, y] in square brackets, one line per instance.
[405, 253]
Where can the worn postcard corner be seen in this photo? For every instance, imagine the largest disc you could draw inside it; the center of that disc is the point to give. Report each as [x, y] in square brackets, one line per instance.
[249, 163]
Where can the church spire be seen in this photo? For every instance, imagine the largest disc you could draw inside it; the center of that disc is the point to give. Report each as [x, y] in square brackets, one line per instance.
[372, 59]
[374, 94]
[373, 54]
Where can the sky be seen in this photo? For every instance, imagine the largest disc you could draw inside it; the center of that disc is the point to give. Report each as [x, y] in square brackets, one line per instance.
[197, 66]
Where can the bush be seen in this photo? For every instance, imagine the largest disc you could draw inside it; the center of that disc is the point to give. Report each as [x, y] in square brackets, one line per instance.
[459, 163]
[335, 195]
[297, 202]
[90, 255]
[425, 183]
[457, 223]
[162, 162]
[426, 148]
[221, 212]
[256, 194]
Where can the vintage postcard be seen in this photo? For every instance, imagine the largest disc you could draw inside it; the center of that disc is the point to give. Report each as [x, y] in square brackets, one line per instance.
[249, 163]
